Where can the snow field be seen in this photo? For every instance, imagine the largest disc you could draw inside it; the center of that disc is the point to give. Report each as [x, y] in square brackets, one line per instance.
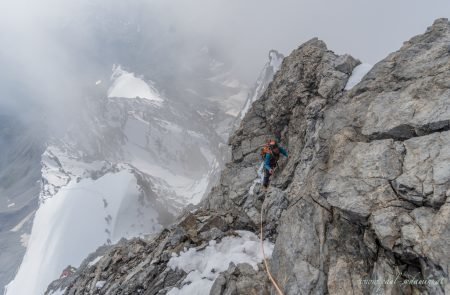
[204, 266]
[87, 214]
[127, 85]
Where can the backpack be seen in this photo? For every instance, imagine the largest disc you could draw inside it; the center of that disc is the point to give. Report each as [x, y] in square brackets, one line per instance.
[265, 150]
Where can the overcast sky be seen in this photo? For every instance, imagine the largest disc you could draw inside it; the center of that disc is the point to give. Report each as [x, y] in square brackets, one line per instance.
[38, 65]
[368, 30]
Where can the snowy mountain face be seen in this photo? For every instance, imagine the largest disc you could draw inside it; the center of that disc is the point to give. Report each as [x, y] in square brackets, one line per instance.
[178, 148]
[149, 139]
[132, 160]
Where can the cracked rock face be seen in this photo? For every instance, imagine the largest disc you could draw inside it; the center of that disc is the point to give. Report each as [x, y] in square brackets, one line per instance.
[368, 174]
[361, 205]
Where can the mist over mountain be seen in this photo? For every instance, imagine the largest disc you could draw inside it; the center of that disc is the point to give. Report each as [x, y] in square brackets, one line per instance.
[125, 109]
[359, 203]
[104, 96]
[55, 48]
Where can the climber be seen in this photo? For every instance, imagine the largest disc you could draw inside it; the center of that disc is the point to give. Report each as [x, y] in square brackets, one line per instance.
[271, 153]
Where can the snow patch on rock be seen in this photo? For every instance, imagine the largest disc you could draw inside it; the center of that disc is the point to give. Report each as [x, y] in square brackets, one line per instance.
[206, 265]
[358, 73]
[100, 284]
[276, 60]
[94, 262]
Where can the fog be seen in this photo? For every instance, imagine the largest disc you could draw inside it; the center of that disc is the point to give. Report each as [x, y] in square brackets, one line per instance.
[51, 50]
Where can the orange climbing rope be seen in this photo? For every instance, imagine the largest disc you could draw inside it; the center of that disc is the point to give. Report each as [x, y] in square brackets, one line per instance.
[264, 257]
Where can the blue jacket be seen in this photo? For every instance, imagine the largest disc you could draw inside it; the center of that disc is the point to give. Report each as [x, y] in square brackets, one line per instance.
[269, 157]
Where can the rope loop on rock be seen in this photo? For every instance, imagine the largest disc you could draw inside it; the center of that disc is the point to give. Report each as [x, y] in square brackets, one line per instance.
[266, 264]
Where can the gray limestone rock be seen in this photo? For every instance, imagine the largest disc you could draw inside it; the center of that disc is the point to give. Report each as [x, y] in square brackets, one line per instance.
[369, 165]
[241, 279]
[426, 170]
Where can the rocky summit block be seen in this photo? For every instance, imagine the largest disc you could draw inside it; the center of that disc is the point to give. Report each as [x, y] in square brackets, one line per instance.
[367, 180]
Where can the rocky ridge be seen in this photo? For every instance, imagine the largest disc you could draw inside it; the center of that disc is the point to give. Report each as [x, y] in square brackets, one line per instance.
[360, 206]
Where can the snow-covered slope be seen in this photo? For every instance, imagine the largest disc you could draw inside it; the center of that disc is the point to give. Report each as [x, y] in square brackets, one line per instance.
[76, 220]
[163, 115]
[127, 85]
[132, 160]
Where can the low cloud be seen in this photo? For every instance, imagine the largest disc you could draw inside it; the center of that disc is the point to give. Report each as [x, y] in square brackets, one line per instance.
[52, 49]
